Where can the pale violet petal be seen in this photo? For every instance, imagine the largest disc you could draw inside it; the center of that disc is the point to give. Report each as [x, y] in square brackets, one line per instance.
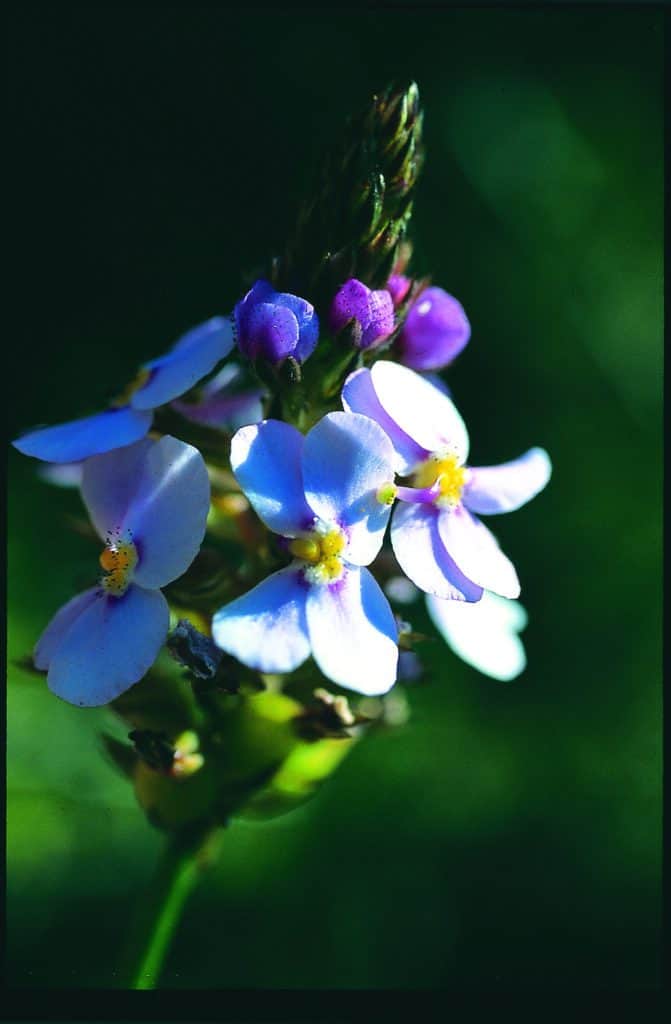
[419, 409]
[53, 635]
[92, 435]
[483, 634]
[266, 461]
[353, 633]
[109, 482]
[110, 646]
[401, 590]
[225, 378]
[358, 395]
[194, 356]
[493, 489]
[266, 628]
[61, 474]
[223, 411]
[168, 511]
[346, 459]
[421, 554]
[477, 553]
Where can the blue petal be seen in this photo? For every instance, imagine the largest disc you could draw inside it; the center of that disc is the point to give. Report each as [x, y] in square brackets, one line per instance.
[195, 354]
[346, 459]
[494, 489]
[421, 554]
[266, 460]
[266, 628]
[53, 635]
[109, 482]
[109, 647]
[483, 634]
[353, 633]
[308, 324]
[359, 395]
[167, 514]
[259, 292]
[271, 333]
[79, 439]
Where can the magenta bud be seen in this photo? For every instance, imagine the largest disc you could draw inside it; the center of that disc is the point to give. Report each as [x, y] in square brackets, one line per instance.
[436, 329]
[398, 287]
[373, 312]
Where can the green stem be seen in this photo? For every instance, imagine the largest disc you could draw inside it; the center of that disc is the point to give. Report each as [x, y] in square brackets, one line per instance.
[183, 862]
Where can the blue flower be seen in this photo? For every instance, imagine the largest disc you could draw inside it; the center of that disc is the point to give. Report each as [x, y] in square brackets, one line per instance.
[484, 634]
[438, 541]
[322, 493]
[271, 326]
[194, 355]
[149, 503]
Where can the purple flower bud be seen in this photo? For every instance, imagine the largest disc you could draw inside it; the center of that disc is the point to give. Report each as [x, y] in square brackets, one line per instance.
[398, 287]
[272, 325]
[435, 331]
[373, 311]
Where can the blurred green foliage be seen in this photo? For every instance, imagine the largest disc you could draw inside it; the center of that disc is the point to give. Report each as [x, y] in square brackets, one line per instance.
[508, 835]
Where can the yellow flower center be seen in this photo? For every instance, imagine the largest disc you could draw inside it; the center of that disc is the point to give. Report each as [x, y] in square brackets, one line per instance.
[443, 469]
[118, 560]
[321, 550]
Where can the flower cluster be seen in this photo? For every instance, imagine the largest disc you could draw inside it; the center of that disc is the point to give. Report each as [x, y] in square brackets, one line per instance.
[258, 499]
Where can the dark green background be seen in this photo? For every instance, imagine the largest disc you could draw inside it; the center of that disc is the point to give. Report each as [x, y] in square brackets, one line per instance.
[508, 835]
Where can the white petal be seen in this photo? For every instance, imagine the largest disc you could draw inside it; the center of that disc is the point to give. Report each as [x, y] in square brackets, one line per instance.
[353, 633]
[477, 553]
[421, 554]
[494, 489]
[483, 634]
[346, 459]
[358, 395]
[423, 412]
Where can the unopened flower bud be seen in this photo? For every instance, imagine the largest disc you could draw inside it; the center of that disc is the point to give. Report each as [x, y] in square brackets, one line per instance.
[337, 706]
[371, 311]
[328, 716]
[407, 637]
[392, 710]
[398, 287]
[154, 749]
[271, 326]
[436, 329]
[386, 494]
[186, 758]
[195, 651]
